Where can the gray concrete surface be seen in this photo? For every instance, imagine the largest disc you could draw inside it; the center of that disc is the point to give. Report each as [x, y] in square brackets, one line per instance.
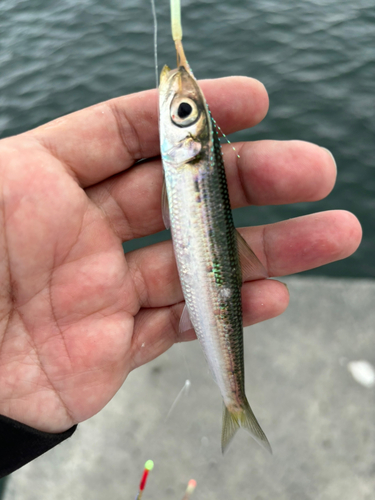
[319, 420]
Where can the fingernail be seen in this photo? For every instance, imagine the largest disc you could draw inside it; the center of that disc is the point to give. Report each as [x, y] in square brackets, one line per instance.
[286, 286]
[331, 155]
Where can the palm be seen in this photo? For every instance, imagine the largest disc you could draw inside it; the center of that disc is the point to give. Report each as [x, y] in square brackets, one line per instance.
[70, 320]
[76, 315]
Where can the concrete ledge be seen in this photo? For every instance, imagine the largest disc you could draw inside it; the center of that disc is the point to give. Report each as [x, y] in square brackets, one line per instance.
[319, 420]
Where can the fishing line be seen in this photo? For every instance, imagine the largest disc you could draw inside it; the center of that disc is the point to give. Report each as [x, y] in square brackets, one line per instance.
[222, 133]
[185, 389]
[182, 352]
[176, 20]
[155, 43]
[177, 37]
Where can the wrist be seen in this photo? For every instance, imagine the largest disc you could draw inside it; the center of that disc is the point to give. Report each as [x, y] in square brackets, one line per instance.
[39, 421]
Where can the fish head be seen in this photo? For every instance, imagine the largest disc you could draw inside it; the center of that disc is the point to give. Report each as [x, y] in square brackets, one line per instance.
[184, 124]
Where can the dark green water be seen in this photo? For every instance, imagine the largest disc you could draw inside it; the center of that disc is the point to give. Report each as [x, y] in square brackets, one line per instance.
[2, 487]
[316, 58]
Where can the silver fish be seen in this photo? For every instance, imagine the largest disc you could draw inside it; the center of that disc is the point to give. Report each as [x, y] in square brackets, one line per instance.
[208, 249]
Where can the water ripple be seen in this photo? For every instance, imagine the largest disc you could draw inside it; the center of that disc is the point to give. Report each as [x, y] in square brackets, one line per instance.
[316, 58]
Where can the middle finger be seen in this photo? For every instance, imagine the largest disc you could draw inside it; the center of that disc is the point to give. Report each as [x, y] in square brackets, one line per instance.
[267, 173]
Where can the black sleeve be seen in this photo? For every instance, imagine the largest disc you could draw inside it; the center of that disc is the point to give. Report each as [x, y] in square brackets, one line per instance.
[20, 444]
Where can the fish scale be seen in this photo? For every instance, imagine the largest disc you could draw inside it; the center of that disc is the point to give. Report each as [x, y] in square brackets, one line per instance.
[207, 247]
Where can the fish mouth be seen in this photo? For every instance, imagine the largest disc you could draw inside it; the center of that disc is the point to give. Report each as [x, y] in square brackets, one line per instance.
[166, 75]
[171, 80]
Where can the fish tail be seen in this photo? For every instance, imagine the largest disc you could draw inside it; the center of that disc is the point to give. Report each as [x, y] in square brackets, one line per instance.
[232, 421]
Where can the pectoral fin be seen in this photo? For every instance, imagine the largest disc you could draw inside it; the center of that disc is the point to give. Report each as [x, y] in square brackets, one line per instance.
[181, 152]
[185, 322]
[252, 268]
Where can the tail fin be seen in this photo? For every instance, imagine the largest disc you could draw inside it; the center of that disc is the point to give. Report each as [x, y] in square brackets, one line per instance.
[245, 418]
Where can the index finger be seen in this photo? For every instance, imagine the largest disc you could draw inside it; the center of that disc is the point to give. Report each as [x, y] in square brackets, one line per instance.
[105, 139]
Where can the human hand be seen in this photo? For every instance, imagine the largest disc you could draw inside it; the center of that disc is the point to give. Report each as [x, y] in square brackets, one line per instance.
[76, 314]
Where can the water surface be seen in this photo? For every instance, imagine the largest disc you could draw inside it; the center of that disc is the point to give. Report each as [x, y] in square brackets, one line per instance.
[316, 58]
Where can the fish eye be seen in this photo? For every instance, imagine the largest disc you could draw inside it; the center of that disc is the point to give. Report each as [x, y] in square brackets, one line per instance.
[184, 112]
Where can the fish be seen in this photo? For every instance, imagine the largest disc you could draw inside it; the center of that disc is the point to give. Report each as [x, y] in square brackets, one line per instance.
[212, 257]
